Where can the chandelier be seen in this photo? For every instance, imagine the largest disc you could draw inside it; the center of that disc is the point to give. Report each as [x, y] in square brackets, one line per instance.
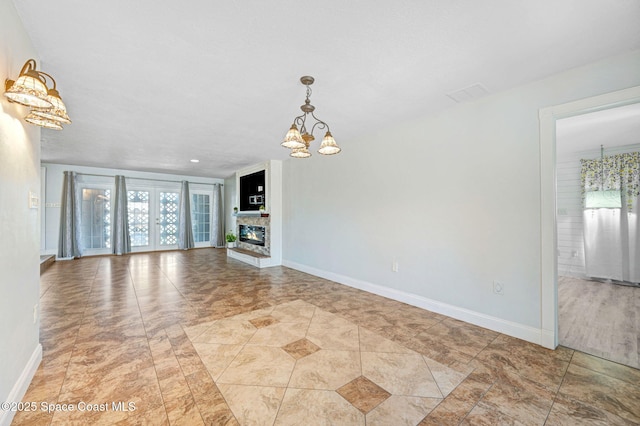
[299, 140]
[31, 90]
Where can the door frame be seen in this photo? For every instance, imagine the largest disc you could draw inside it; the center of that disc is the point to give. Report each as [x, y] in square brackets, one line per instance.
[548, 210]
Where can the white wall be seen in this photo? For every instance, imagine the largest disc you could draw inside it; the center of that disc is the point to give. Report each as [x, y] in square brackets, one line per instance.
[20, 351]
[454, 198]
[54, 178]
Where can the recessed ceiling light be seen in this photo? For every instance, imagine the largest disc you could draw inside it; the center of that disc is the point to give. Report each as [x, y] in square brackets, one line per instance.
[195, 161]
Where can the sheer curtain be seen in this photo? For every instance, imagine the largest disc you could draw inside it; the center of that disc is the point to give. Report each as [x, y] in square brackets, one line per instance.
[121, 241]
[611, 240]
[69, 240]
[185, 232]
[217, 221]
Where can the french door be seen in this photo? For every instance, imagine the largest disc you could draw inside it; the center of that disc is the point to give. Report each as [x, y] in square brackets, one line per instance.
[153, 218]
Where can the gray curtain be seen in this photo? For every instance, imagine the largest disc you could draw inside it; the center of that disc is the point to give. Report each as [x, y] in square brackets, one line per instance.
[185, 232]
[217, 221]
[120, 239]
[69, 241]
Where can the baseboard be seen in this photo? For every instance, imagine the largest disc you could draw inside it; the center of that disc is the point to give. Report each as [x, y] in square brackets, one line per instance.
[510, 328]
[548, 339]
[20, 387]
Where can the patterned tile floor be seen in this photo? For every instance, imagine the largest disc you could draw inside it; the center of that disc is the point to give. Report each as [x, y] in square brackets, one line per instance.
[190, 337]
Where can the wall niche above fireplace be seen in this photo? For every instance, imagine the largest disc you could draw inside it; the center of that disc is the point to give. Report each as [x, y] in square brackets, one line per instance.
[253, 192]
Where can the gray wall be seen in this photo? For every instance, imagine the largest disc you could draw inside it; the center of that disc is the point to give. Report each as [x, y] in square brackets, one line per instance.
[19, 224]
[453, 198]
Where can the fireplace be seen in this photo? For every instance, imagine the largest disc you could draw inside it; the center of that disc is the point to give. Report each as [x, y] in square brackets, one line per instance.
[252, 234]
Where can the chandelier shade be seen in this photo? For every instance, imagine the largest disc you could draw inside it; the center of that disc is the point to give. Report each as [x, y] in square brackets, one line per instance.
[300, 153]
[328, 145]
[299, 140]
[293, 139]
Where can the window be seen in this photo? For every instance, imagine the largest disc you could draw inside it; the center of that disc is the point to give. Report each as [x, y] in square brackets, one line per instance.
[95, 219]
[201, 217]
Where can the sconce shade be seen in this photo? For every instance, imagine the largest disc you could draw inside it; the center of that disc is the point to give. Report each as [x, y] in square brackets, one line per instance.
[58, 112]
[28, 90]
[328, 145]
[293, 139]
[42, 122]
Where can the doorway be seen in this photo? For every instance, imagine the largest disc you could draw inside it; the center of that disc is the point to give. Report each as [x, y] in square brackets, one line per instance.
[153, 218]
[597, 305]
[549, 236]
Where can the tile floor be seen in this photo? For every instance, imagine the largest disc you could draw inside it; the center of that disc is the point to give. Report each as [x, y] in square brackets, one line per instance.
[190, 337]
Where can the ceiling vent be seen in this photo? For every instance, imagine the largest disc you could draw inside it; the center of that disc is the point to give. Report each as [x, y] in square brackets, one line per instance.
[469, 93]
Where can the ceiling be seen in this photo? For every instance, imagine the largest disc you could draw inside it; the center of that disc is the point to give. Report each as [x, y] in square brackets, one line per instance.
[610, 128]
[150, 85]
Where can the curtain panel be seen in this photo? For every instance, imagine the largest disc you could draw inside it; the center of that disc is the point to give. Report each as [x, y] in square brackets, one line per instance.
[69, 240]
[121, 240]
[612, 235]
[217, 221]
[185, 231]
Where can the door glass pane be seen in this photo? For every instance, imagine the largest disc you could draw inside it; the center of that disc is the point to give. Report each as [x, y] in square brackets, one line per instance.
[168, 218]
[96, 218]
[200, 217]
[138, 207]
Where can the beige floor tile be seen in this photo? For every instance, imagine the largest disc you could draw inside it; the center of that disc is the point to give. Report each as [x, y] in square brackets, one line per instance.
[293, 311]
[259, 366]
[279, 334]
[227, 332]
[318, 408]
[342, 338]
[446, 378]
[326, 369]
[400, 374]
[373, 342]
[217, 357]
[402, 410]
[253, 405]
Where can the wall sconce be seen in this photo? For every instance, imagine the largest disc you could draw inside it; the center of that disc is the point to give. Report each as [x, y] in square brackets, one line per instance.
[30, 89]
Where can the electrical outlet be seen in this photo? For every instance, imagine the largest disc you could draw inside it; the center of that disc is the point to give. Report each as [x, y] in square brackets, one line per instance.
[574, 253]
[498, 288]
[394, 266]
